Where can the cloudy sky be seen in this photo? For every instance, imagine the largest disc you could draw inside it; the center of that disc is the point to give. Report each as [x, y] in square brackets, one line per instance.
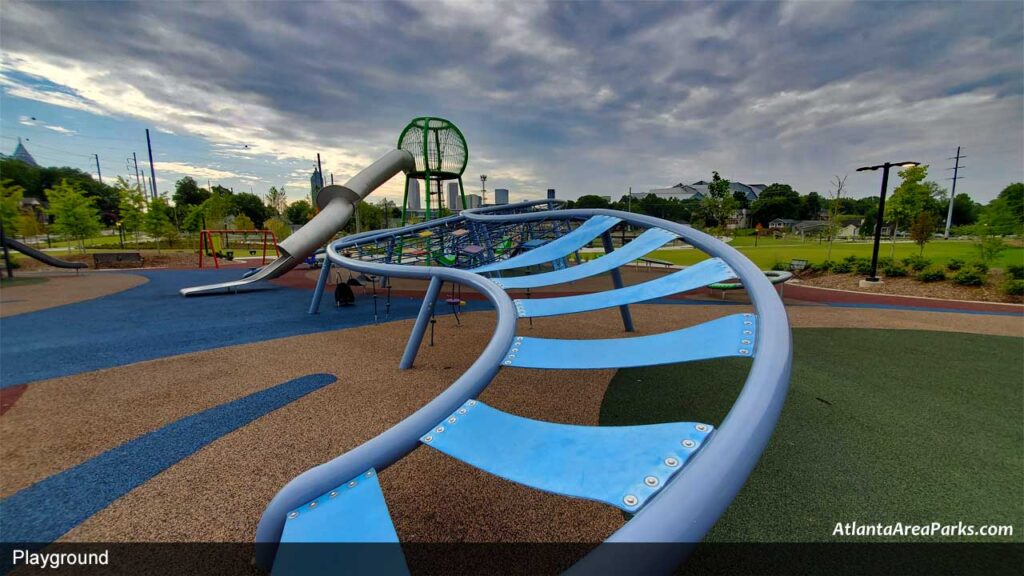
[584, 97]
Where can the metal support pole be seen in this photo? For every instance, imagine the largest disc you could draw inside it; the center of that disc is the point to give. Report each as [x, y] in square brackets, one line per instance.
[418, 329]
[7, 255]
[152, 170]
[627, 318]
[878, 223]
[321, 283]
[98, 173]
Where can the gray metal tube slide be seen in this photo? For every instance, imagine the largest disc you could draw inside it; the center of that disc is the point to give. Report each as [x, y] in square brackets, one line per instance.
[399, 440]
[336, 204]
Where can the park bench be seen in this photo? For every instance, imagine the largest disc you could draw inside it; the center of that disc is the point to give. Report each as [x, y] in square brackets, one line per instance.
[117, 260]
[654, 261]
[797, 265]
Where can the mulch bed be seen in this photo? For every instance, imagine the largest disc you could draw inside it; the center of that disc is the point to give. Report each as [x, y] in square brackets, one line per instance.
[946, 289]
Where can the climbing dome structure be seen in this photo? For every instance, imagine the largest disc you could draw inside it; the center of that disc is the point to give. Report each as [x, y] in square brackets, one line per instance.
[441, 155]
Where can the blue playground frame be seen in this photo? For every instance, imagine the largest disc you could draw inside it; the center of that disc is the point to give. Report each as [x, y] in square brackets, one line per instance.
[682, 506]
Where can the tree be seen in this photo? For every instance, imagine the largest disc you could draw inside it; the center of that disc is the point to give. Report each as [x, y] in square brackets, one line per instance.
[912, 197]
[30, 226]
[810, 206]
[75, 215]
[922, 229]
[132, 208]
[188, 193]
[217, 208]
[719, 204]
[1005, 214]
[252, 206]
[11, 196]
[742, 202]
[835, 195]
[299, 212]
[242, 222]
[592, 201]
[279, 227]
[277, 200]
[776, 201]
[157, 224]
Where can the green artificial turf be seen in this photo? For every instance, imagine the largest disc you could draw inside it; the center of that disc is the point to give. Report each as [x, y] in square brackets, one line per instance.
[879, 426]
[769, 251]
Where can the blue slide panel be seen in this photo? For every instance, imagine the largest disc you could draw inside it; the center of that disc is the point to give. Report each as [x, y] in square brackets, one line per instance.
[644, 244]
[697, 276]
[345, 522]
[557, 248]
[623, 466]
[729, 336]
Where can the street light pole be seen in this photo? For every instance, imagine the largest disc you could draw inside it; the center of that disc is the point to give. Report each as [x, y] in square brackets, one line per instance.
[873, 278]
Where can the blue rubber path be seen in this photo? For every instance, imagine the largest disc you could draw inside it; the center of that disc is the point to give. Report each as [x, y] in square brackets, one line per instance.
[154, 321]
[49, 508]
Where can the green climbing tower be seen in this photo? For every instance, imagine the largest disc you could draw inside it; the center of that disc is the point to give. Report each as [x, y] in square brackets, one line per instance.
[441, 155]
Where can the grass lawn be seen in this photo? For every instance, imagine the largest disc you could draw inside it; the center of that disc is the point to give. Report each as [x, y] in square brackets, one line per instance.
[770, 251]
[880, 426]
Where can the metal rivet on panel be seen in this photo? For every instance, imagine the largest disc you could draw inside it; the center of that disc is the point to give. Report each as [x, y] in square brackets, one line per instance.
[462, 410]
[689, 443]
[293, 515]
[312, 504]
[702, 427]
[369, 473]
[472, 402]
[651, 481]
[334, 493]
[428, 438]
[451, 420]
[630, 500]
[352, 484]
[439, 429]
[744, 351]
[671, 462]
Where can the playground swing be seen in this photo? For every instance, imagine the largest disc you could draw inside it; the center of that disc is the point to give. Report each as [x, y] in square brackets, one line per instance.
[216, 244]
[343, 294]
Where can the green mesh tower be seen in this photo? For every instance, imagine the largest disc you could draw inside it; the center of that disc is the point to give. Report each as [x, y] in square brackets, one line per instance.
[441, 155]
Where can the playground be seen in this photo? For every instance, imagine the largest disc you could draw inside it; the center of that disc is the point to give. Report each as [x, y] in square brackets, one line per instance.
[491, 384]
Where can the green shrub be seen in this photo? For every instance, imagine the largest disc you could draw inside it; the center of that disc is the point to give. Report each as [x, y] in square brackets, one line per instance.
[931, 275]
[843, 267]
[886, 262]
[979, 267]
[780, 266]
[851, 259]
[917, 263]
[862, 266]
[1015, 271]
[955, 264]
[969, 277]
[894, 271]
[824, 266]
[1013, 287]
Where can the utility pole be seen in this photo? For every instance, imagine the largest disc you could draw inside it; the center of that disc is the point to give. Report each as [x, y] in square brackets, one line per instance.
[152, 171]
[135, 163]
[483, 190]
[98, 173]
[952, 195]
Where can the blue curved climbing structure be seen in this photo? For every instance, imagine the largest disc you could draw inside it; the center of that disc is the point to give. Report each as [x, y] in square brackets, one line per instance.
[675, 479]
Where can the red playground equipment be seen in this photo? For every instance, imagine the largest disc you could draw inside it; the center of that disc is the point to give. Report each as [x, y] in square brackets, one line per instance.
[219, 244]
